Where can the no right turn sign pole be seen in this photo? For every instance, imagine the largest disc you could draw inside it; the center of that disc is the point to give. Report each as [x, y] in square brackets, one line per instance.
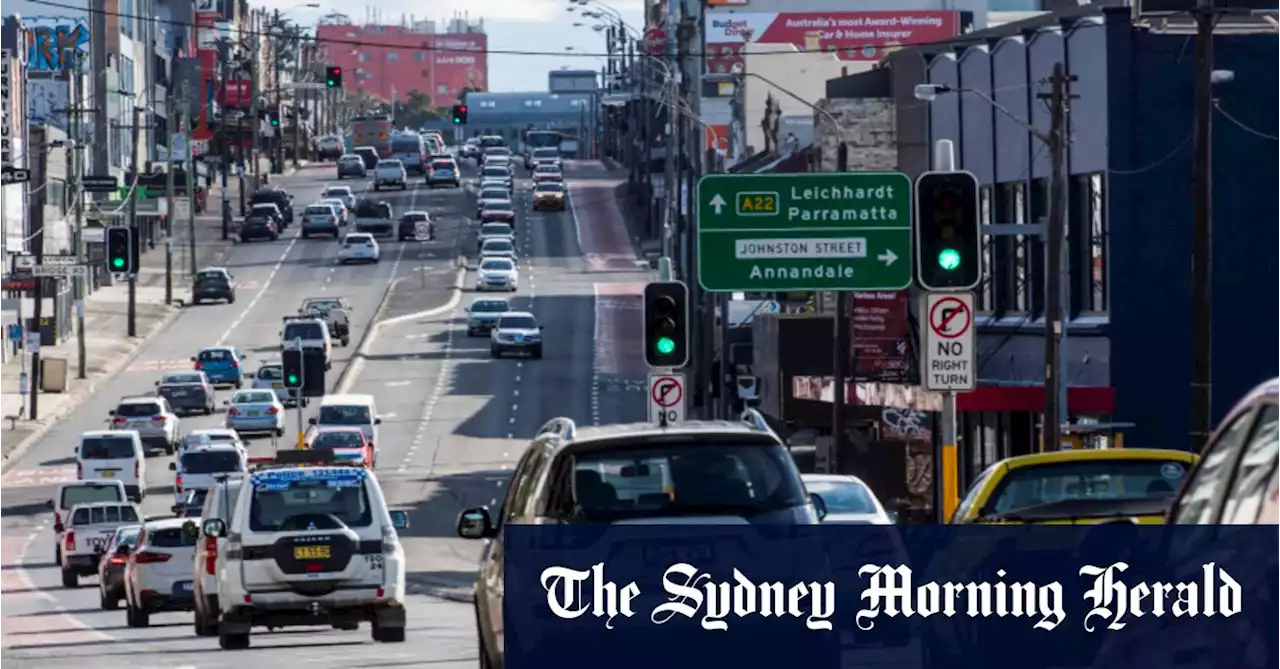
[947, 365]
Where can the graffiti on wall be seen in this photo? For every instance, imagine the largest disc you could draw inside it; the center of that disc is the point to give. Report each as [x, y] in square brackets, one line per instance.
[47, 101]
[51, 37]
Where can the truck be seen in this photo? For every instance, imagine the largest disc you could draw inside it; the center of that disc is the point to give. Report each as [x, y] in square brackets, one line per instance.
[86, 535]
[372, 131]
[334, 312]
[374, 217]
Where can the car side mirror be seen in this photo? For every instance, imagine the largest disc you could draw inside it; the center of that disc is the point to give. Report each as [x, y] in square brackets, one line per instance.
[193, 358]
[226, 403]
[377, 421]
[59, 528]
[894, 517]
[819, 505]
[123, 551]
[475, 523]
[49, 504]
[173, 466]
[400, 520]
[157, 384]
[311, 421]
[111, 412]
[541, 327]
[176, 509]
[214, 527]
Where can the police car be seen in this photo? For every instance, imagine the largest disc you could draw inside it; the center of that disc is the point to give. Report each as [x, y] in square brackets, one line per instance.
[309, 542]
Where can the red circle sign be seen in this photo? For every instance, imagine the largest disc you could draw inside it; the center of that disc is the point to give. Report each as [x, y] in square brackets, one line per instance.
[655, 41]
[667, 391]
[941, 320]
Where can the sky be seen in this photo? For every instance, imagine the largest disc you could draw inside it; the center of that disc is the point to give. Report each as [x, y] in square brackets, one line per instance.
[541, 26]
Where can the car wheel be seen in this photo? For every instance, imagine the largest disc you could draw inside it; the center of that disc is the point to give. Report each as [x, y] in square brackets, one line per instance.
[384, 634]
[537, 353]
[233, 641]
[231, 300]
[70, 579]
[494, 352]
[195, 300]
[376, 188]
[169, 449]
[305, 235]
[275, 237]
[244, 239]
[279, 431]
[137, 617]
[107, 603]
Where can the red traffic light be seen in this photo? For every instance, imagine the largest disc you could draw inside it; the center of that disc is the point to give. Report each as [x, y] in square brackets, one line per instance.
[335, 70]
[462, 109]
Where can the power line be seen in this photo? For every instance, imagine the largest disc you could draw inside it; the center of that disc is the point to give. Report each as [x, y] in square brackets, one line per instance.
[1257, 133]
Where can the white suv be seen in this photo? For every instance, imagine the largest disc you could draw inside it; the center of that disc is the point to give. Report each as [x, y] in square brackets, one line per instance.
[390, 172]
[158, 575]
[151, 417]
[309, 545]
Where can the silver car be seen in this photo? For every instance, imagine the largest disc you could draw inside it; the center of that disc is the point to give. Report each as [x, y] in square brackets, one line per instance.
[320, 219]
[483, 314]
[497, 274]
[271, 377]
[187, 392]
[255, 411]
[516, 332]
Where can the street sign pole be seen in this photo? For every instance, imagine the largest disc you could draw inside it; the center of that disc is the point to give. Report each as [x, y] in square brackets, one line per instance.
[666, 398]
[948, 365]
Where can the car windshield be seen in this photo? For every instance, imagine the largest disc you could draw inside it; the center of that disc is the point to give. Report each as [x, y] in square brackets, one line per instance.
[338, 192]
[497, 266]
[492, 140]
[253, 397]
[138, 410]
[111, 513]
[682, 479]
[546, 187]
[337, 439]
[518, 323]
[305, 330]
[500, 205]
[127, 536]
[86, 493]
[175, 379]
[490, 306]
[211, 462]
[495, 172]
[320, 210]
[272, 373]
[351, 414]
[497, 245]
[494, 194]
[497, 151]
[844, 496]
[171, 537]
[496, 230]
[546, 153]
[1103, 480]
[106, 448]
[289, 505]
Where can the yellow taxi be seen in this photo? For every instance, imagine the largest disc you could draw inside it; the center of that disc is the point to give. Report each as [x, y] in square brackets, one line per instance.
[1077, 487]
[548, 196]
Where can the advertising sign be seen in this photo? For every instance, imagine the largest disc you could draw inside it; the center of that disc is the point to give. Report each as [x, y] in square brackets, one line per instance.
[881, 335]
[6, 106]
[852, 36]
[236, 94]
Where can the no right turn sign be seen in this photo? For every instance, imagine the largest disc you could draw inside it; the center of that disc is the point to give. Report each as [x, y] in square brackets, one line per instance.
[947, 361]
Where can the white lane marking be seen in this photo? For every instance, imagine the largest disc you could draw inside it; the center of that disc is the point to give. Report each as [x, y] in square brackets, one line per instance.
[397, 384]
[388, 415]
[261, 291]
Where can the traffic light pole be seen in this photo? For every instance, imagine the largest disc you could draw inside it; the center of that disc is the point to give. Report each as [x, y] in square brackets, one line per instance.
[946, 463]
[133, 223]
[302, 385]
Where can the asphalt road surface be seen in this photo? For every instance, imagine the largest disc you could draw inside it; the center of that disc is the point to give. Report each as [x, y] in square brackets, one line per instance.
[454, 420]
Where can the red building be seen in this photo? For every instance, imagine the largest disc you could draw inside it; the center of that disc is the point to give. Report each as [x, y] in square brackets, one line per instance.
[380, 59]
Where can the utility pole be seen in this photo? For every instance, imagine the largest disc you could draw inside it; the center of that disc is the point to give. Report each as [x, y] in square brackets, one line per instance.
[1055, 400]
[77, 204]
[255, 30]
[300, 99]
[183, 92]
[168, 197]
[277, 164]
[133, 222]
[1202, 235]
[225, 52]
[36, 202]
[98, 63]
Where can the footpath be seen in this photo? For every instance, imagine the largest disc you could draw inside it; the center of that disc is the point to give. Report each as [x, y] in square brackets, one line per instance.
[108, 348]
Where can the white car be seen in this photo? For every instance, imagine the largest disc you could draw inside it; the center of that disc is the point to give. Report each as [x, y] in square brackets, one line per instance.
[847, 500]
[390, 172]
[209, 437]
[323, 518]
[343, 193]
[497, 274]
[271, 377]
[200, 467]
[113, 454]
[320, 219]
[158, 575]
[359, 247]
[255, 411]
[344, 212]
[495, 230]
[218, 503]
[151, 417]
[497, 173]
[500, 248]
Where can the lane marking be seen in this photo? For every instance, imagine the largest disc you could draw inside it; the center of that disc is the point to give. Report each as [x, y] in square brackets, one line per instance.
[262, 291]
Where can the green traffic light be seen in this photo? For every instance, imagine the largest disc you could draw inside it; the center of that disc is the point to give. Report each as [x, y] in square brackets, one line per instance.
[457, 121]
[949, 259]
[117, 263]
[666, 345]
[331, 83]
[293, 379]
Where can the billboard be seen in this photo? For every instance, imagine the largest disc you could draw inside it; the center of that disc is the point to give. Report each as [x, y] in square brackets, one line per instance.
[50, 38]
[852, 36]
[880, 331]
[460, 64]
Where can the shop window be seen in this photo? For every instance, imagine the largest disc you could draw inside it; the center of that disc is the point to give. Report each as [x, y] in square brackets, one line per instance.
[1022, 260]
[985, 294]
[1099, 297]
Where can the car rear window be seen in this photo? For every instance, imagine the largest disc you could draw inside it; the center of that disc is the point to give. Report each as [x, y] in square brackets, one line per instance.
[300, 504]
[442, 165]
[493, 194]
[171, 537]
[501, 205]
[215, 355]
[332, 440]
[95, 515]
[87, 493]
[106, 448]
[303, 331]
[181, 378]
[271, 373]
[253, 398]
[338, 192]
[844, 496]
[211, 462]
[1103, 480]
[495, 172]
[320, 211]
[490, 306]
[495, 229]
[211, 276]
[138, 409]
[350, 414]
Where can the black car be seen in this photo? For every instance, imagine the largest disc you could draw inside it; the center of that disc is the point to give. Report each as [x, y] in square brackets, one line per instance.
[192, 504]
[188, 398]
[258, 226]
[277, 196]
[111, 570]
[369, 155]
[269, 209]
[213, 284]
[408, 227]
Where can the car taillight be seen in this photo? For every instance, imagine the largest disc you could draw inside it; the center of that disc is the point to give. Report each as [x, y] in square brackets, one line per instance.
[119, 560]
[272, 411]
[196, 365]
[333, 219]
[211, 554]
[70, 540]
[119, 420]
[177, 483]
[235, 364]
[233, 411]
[79, 474]
[146, 557]
[137, 469]
[159, 419]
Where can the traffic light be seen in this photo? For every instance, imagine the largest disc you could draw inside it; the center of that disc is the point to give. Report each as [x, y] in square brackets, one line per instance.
[333, 77]
[666, 324]
[293, 367]
[275, 121]
[948, 231]
[122, 251]
[459, 114]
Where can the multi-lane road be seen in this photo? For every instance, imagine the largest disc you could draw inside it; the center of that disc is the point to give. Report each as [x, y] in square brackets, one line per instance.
[454, 420]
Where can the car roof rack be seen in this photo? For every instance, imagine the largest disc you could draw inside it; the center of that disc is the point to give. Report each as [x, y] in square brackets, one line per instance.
[562, 428]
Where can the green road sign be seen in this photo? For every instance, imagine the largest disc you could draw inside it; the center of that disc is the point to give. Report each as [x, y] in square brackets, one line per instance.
[804, 232]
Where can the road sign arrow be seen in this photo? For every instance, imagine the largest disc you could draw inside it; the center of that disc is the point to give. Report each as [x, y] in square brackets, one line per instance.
[887, 257]
[718, 203]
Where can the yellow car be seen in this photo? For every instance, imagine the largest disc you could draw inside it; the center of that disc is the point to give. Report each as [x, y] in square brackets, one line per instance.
[548, 196]
[1077, 487]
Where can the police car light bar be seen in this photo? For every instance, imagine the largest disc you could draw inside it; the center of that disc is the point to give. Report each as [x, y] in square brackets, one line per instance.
[301, 457]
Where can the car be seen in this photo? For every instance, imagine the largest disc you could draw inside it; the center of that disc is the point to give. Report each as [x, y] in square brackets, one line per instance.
[270, 210]
[369, 155]
[188, 392]
[494, 152]
[500, 161]
[409, 224]
[359, 247]
[309, 332]
[213, 283]
[191, 504]
[374, 216]
[494, 230]
[71, 493]
[277, 196]
[846, 500]
[85, 535]
[320, 219]
[334, 311]
[200, 467]
[496, 193]
[390, 172]
[351, 165]
[547, 174]
[113, 455]
[271, 377]
[497, 274]
[251, 411]
[497, 247]
[483, 313]
[218, 502]
[542, 156]
[470, 147]
[493, 184]
[210, 436]
[1061, 487]
[444, 173]
[344, 214]
[151, 417]
[548, 196]
[498, 211]
[259, 226]
[111, 570]
[158, 575]
[221, 364]
[516, 332]
[343, 193]
[736, 471]
[314, 524]
[348, 444]
[330, 147]
[497, 173]
[351, 410]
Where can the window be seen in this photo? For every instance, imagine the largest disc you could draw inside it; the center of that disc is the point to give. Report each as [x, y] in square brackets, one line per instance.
[419, 57]
[171, 537]
[354, 414]
[126, 75]
[126, 18]
[364, 58]
[139, 410]
[211, 462]
[1099, 298]
[520, 484]
[393, 56]
[1022, 252]
[308, 504]
[107, 448]
[95, 515]
[1255, 473]
[986, 294]
[1196, 505]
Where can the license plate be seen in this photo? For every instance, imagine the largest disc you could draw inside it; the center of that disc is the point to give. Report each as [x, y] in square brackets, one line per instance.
[277, 385]
[108, 475]
[519, 339]
[252, 414]
[183, 586]
[311, 552]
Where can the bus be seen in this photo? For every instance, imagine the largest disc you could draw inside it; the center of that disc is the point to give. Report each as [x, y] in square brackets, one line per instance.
[540, 139]
[372, 131]
[411, 149]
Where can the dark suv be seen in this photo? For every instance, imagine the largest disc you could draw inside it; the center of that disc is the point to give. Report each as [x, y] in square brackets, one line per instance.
[213, 283]
[635, 473]
[277, 196]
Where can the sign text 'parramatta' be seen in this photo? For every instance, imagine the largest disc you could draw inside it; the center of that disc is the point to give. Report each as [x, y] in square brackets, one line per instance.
[839, 231]
[890, 591]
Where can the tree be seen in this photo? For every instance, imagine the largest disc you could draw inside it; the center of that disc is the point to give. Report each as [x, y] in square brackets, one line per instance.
[288, 38]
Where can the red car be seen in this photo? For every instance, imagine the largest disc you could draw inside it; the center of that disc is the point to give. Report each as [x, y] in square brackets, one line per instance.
[347, 443]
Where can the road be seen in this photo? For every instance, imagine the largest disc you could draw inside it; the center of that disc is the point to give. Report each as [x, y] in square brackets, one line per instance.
[454, 420]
